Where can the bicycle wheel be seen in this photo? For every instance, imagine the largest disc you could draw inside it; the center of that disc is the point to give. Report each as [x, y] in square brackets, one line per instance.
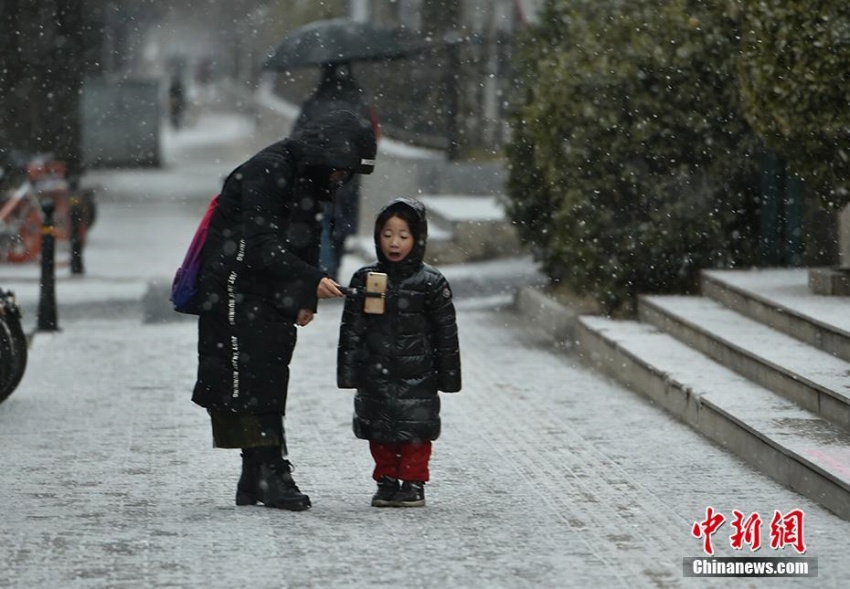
[89, 209]
[20, 348]
[13, 346]
[7, 360]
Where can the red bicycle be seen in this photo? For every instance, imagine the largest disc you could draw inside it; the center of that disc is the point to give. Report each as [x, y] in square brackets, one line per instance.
[24, 185]
[20, 219]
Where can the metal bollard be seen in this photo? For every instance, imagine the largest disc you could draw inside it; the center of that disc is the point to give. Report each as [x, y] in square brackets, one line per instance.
[76, 239]
[47, 315]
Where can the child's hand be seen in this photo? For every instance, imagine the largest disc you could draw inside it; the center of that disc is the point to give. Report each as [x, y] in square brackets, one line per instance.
[328, 289]
[305, 316]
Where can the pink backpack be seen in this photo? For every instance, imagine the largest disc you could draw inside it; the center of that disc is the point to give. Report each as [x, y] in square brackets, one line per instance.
[184, 287]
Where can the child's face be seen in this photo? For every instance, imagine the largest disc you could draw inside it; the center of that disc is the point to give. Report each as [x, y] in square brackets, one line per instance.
[396, 240]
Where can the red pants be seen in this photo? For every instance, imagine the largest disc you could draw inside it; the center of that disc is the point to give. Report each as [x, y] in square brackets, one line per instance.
[407, 461]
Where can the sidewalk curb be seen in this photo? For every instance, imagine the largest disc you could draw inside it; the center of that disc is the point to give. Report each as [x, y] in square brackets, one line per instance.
[556, 320]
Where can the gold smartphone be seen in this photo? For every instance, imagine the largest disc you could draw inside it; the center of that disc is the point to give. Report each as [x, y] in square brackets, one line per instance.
[376, 288]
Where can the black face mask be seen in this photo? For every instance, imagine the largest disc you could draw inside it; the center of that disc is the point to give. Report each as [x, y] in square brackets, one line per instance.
[317, 180]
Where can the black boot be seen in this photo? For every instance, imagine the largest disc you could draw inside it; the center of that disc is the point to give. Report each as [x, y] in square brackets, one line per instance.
[387, 489]
[277, 489]
[267, 479]
[411, 494]
[247, 489]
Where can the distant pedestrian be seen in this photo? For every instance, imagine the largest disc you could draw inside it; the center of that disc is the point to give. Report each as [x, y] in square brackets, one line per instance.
[400, 359]
[338, 90]
[260, 278]
[176, 101]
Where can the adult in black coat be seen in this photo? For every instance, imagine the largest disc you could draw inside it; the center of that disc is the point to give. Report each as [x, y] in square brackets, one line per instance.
[399, 360]
[259, 279]
[338, 90]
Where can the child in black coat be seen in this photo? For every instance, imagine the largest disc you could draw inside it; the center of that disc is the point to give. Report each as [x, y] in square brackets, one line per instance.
[398, 360]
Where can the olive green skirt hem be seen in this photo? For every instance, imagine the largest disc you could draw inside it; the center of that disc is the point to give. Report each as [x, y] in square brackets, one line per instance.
[238, 430]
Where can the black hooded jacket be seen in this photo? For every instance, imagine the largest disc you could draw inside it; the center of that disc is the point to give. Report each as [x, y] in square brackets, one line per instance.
[398, 361]
[260, 261]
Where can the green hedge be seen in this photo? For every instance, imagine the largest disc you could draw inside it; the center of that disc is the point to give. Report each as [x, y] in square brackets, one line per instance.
[795, 83]
[631, 167]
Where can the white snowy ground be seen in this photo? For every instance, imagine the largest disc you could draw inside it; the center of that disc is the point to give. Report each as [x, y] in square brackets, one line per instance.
[547, 475]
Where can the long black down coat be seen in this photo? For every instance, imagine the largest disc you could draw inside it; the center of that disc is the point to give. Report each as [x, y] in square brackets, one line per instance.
[399, 361]
[260, 262]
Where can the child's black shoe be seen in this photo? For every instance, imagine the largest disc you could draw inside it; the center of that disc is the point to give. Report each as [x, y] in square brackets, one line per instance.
[387, 489]
[411, 494]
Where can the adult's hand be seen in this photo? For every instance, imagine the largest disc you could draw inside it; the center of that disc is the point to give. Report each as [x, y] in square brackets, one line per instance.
[328, 289]
[305, 316]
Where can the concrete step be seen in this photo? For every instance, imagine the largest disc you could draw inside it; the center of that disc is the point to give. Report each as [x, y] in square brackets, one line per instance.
[829, 281]
[782, 299]
[794, 446]
[468, 228]
[812, 378]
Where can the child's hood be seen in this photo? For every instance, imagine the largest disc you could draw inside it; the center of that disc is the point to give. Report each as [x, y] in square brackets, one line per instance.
[413, 211]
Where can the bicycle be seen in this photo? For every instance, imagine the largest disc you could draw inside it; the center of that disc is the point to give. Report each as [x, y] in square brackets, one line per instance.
[20, 215]
[20, 225]
[24, 183]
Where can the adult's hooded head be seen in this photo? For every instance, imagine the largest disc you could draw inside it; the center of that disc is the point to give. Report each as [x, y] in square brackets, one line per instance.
[337, 140]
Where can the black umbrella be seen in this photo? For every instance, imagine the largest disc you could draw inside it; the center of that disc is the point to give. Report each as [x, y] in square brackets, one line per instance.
[339, 40]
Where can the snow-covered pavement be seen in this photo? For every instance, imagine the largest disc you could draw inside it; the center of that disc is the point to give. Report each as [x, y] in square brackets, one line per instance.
[546, 475]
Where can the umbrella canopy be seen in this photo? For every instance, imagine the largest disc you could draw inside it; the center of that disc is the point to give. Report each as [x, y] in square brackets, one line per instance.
[339, 40]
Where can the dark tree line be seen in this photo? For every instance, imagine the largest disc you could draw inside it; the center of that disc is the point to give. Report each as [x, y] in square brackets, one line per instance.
[46, 48]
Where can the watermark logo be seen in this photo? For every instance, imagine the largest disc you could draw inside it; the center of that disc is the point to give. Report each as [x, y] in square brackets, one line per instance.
[784, 530]
[750, 566]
